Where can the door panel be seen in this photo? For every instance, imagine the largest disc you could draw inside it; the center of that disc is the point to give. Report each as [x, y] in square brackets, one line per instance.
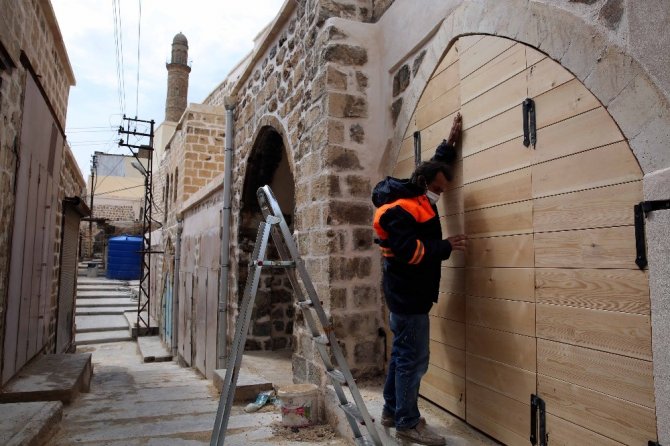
[547, 300]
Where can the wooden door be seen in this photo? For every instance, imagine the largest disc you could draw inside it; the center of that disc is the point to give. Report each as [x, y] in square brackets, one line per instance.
[548, 300]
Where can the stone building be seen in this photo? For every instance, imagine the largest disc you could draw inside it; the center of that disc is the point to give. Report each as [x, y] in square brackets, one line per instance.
[549, 300]
[40, 188]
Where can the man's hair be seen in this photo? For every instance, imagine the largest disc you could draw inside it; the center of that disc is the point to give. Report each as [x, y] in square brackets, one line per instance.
[425, 173]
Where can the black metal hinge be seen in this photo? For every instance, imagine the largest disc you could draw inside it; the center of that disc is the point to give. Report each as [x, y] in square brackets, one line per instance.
[529, 128]
[538, 421]
[640, 212]
[417, 148]
[653, 443]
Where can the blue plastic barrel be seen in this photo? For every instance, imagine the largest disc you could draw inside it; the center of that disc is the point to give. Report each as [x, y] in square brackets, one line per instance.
[123, 257]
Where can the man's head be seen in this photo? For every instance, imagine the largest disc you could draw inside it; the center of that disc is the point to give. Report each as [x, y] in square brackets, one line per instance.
[433, 176]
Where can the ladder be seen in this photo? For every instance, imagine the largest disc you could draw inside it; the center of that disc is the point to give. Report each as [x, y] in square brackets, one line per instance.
[322, 334]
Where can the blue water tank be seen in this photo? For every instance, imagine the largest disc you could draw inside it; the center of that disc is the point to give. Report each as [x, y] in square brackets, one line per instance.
[123, 257]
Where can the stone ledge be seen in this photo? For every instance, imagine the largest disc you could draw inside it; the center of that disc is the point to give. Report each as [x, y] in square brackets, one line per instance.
[50, 378]
[249, 385]
[28, 424]
[152, 349]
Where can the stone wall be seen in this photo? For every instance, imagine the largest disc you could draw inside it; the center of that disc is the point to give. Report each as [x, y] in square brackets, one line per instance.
[29, 37]
[309, 84]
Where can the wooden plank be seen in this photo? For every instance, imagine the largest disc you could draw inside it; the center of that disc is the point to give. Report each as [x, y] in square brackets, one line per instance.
[444, 389]
[404, 168]
[592, 129]
[452, 280]
[509, 348]
[445, 105]
[39, 276]
[449, 59]
[502, 189]
[512, 251]
[510, 219]
[212, 316]
[498, 70]
[510, 381]
[456, 260]
[452, 224]
[627, 378]
[609, 331]
[533, 55]
[450, 306]
[447, 332]
[593, 208]
[565, 433]
[466, 42]
[451, 202]
[546, 75]
[563, 102]
[506, 315]
[499, 416]
[501, 283]
[431, 137]
[594, 168]
[500, 159]
[622, 290]
[614, 418]
[497, 130]
[509, 94]
[482, 52]
[448, 358]
[440, 84]
[588, 248]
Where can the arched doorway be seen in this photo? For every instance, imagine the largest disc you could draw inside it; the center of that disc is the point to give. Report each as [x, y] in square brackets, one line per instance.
[548, 299]
[272, 319]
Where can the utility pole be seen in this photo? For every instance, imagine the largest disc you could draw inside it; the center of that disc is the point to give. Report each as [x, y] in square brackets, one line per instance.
[94, 170]
[143, 151]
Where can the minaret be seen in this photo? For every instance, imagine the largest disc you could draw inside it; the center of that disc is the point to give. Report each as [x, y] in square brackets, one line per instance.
[178, 70]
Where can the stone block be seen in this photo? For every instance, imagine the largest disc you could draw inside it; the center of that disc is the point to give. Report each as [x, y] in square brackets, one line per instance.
[358, 186]
[365, 296]
[347, 106]
[249, 385]
[29, 423]
[401, 80]
[347, 212]
[340, 158]
[651, 144]
[356, 134]
[611, 74]
[348, 268]
[362, 239]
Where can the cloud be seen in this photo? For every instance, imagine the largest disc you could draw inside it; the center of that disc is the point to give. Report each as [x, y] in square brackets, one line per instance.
[220, 33]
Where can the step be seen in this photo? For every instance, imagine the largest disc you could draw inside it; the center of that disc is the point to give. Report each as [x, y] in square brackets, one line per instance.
[29, 423]
[99, 322]
[131, 316]
[106, 302]
[249, 384]
[102, 294]
[152, 349]
[102, 311]
[102, 337]
[57, 377]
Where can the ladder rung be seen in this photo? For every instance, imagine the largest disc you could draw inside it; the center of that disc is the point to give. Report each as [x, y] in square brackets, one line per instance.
[337, 375]
[323, 340]
[276, 263]
[353, 410]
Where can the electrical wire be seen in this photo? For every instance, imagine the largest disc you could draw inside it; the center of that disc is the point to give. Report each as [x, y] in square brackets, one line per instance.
[118, 44]
[139, 35]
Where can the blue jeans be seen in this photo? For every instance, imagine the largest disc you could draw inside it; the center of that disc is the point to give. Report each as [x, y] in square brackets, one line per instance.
[409, 362]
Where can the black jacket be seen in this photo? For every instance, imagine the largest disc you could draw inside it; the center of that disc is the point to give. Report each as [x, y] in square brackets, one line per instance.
[410, 236]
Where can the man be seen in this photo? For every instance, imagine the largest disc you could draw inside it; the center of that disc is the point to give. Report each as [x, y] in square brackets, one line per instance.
[410, 237]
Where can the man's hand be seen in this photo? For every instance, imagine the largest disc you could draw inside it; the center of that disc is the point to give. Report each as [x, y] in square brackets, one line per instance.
[455, 133]
[458, 242]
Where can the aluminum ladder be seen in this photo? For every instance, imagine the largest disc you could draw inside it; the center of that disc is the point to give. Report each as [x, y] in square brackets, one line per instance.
[323, 333]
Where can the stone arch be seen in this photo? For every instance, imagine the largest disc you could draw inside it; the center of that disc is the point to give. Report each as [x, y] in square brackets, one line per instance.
[615, 77]
[268, 162]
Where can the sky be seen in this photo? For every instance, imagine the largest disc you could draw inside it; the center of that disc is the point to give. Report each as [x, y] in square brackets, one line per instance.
[219, 32]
